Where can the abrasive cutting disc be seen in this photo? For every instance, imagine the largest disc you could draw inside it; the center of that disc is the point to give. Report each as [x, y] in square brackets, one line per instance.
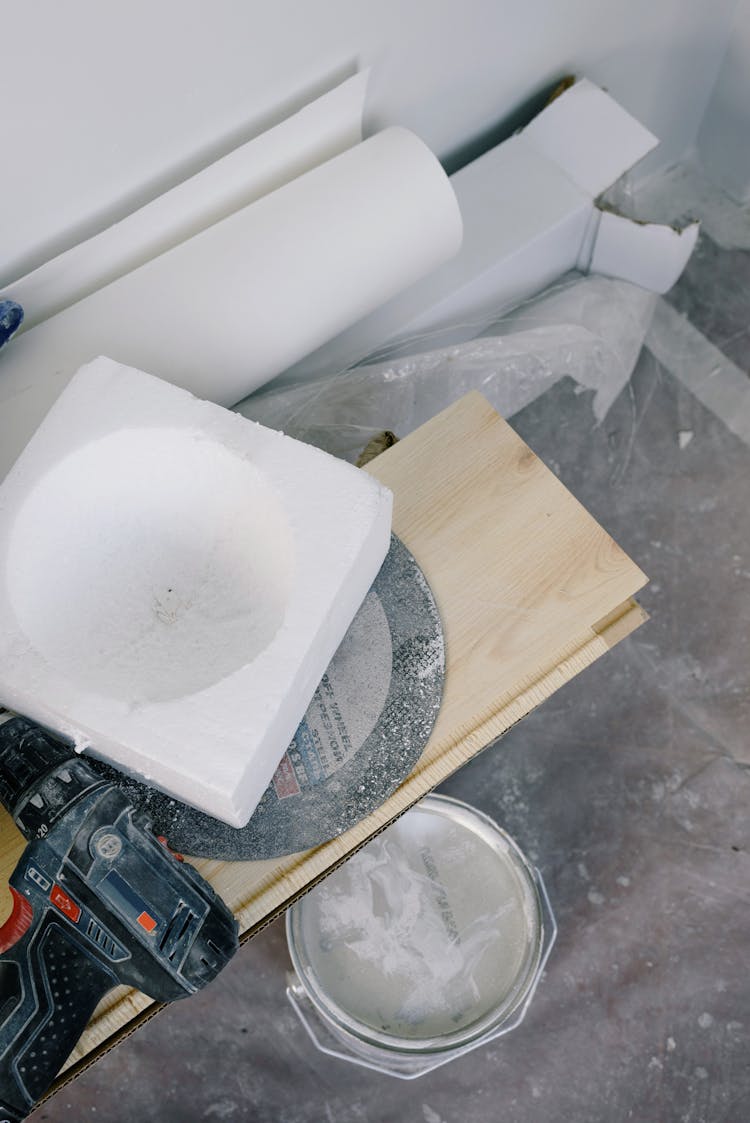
[362, 734]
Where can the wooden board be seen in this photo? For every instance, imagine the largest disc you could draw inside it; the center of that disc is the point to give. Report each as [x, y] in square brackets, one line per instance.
[531, 590]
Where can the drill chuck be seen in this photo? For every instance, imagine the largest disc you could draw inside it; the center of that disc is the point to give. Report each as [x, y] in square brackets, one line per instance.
[26, 756]
[40, 779]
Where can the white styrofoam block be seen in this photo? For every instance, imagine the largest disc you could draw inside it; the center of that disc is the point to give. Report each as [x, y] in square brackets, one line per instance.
[174, 580]
[645, 253]
[587, 134]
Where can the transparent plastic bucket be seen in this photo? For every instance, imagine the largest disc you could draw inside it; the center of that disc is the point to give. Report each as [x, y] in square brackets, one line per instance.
[427, 943]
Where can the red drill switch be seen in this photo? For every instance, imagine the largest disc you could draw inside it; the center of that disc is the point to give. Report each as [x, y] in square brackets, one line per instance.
[64, 903]
[17, 923]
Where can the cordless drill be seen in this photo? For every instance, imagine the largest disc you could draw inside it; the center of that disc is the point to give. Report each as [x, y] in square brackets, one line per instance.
[98, 901]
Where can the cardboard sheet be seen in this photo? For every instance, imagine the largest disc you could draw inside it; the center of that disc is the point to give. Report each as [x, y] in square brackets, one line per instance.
[646, 253]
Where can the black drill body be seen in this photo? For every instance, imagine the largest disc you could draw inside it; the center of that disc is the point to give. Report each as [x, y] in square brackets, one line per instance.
[98, 901]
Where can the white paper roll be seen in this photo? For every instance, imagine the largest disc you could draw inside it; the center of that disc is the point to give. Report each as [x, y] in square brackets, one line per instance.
[225, 311]
[321, 130]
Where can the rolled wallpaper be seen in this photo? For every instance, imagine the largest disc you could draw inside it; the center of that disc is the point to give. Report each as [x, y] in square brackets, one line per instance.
[227, 308]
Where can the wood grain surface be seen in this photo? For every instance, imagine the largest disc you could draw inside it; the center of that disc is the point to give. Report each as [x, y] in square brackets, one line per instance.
[531, 591]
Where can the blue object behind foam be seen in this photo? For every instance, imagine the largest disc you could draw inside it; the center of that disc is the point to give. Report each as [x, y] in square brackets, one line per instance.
[11, 318]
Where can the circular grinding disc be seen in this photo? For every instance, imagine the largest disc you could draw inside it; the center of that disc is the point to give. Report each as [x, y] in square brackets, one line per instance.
[362, 734]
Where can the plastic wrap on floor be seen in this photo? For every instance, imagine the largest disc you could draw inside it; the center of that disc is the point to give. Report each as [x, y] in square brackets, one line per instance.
[589, 328]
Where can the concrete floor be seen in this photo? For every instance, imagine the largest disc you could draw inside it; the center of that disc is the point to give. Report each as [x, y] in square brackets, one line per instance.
[630, 789]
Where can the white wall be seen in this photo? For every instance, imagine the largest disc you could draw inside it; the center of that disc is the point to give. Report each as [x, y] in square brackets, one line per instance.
[105, 104]
[724, 137]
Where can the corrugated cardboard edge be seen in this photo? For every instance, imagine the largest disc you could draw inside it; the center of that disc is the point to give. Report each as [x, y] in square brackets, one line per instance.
[603, 636]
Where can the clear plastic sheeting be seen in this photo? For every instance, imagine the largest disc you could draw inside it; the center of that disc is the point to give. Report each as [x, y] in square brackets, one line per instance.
[588, 328]
[680, 194]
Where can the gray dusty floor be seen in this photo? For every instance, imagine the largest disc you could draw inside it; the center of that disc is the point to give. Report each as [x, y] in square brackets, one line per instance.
[713, 292]
[630, 789]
